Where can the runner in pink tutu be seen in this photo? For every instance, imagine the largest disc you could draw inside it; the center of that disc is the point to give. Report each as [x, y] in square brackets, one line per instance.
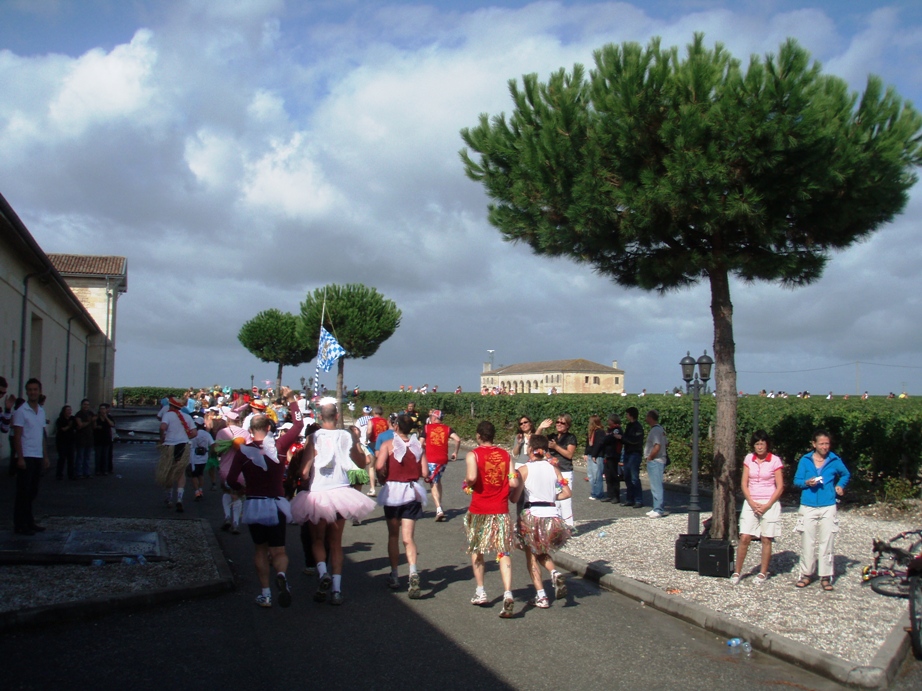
[541, 529]
[332, 454]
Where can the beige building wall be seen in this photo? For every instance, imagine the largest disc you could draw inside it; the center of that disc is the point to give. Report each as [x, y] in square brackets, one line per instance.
[564, 382]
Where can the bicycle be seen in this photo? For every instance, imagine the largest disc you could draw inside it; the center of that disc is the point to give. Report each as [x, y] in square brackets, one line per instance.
[888, 573]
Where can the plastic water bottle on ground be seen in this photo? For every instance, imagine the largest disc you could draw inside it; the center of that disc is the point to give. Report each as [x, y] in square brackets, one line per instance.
[735, 642]
[141, 560]
[128, 560]
[98, 562]
[746, 647]
[602, 534]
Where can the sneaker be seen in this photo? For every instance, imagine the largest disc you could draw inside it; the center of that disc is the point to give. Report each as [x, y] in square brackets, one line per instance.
[227, 525]
[284, 591]
[626, 503]
[638, 505]
[336, 598]
[393, 582]
[591, 498]
[439, 516]
[326, 582]
[414, 592]
[655, 514]
[651, 512]
[560, 586]
[264, 600]
[167, 503]
[761, 578]
[734, 579]
[179, 508]
[508, 608]
[372, 492]
[541, 603]
[235, 529]
[199, 495]
[479, 599]
[356, 521]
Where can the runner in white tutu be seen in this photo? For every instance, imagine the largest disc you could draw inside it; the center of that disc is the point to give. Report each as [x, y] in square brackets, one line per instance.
[541, 529]
[331, 455]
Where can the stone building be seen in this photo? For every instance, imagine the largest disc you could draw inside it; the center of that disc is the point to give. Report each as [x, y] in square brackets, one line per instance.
[566, 376]
[98, 282]
[45, 330]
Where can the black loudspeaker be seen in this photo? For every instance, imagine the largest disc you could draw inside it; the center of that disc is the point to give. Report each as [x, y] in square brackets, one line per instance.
[686, 552]
[715, 558]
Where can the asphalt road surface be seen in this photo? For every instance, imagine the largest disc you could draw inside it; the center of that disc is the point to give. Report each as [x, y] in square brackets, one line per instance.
[378, 639]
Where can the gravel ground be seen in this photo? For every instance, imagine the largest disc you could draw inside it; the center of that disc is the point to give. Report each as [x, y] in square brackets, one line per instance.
[190, 563]
[823, 620]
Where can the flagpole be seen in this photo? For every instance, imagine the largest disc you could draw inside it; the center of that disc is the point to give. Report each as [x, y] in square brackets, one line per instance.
[323, 312]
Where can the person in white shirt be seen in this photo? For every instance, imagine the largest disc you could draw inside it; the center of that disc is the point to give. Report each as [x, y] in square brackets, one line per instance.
[176, 430]
[28, 425]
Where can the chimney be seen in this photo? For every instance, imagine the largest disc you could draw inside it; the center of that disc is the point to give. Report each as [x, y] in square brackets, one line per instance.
[614, 364]
[486, 367]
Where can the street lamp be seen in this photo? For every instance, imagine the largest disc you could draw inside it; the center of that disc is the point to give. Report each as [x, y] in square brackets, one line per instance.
[694, 384]
[252, 377]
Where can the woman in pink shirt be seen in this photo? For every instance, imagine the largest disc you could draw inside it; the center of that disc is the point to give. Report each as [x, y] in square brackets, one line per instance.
[761, 516]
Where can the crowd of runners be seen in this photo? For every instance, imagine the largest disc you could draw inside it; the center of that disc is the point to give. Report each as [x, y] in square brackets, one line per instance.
[292, 463]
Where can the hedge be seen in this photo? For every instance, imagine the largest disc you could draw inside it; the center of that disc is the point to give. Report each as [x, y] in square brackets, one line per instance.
[144, 395]
[879, 439]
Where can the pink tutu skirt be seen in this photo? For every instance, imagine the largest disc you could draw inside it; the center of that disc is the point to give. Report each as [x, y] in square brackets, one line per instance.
[330, 504]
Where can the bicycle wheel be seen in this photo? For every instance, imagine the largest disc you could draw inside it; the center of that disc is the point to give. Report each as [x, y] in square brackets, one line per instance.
[891, 586]
[915, 615]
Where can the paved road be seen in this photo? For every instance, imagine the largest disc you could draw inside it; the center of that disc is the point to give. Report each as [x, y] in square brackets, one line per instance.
[378, 639]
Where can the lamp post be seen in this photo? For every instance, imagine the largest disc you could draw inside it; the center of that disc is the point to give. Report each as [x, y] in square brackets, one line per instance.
[252, 377]
[695, 382]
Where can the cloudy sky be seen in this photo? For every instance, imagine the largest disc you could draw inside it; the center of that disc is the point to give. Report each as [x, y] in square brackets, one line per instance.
[245, 152]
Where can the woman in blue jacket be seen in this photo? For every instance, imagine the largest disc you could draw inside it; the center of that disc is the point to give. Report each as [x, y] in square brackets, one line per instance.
[822, 476]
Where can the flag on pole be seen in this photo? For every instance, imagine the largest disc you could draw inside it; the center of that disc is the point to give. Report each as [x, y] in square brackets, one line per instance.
[328, 350]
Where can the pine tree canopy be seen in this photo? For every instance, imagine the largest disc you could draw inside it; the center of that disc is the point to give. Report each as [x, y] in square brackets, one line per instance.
[359, 317]
[658, 170]
[272, 336]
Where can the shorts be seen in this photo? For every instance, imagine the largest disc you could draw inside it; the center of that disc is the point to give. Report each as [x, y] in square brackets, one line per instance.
[435, 472]
[768, 525]
[412, 511]
[273, 535]
[196, 470]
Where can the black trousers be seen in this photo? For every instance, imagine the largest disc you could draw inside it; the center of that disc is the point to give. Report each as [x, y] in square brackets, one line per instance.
[612, 479]
[27, 480]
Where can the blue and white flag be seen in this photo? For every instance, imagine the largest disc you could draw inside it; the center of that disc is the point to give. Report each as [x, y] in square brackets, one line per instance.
[328, 351]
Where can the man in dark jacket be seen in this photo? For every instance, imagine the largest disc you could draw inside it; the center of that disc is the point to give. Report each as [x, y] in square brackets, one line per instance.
[612, 454]
[633, 451]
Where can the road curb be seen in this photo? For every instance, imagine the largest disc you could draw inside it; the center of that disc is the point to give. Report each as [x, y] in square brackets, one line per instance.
[877, 675]
[90, 609]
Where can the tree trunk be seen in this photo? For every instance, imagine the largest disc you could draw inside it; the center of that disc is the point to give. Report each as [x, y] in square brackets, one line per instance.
[339, 390]
[724, 467]
[278, 382]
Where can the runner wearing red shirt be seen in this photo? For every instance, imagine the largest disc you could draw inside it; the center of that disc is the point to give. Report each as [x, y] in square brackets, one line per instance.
[489, 478]
[436, 438]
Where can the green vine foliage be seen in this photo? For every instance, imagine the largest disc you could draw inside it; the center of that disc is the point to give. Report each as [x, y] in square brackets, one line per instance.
[134, 396]
[879, 439]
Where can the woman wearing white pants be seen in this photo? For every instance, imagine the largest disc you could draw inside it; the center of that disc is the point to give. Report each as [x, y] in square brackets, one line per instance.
[821, 475]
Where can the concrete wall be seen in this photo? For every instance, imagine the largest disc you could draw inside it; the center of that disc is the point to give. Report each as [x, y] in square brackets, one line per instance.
[49, 316]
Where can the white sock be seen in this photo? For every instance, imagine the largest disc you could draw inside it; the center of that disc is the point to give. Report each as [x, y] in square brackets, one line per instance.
[321, 568]
[395, 573]
[237, 508]
[412, 568]
[267, 592]
[337, 583]
[554, 573]
[226, 501]
[480, 590]
[507, 595]
[281, 573]
[438, 509]
[541, 594]
[179, 494]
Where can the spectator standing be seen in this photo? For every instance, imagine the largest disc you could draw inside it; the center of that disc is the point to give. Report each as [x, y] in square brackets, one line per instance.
[762, 485]
[612, 455]
[632, 440]
[83, 442]
[28, 424]
[596, 439]
[65, 430]
[821, 476]
[655, 450]
[561, 446]
[103, 425]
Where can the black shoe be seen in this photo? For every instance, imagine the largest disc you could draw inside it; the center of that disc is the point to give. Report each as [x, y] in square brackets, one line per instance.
[284, 590]
[626, 503]
[638, 505]
[179, 508]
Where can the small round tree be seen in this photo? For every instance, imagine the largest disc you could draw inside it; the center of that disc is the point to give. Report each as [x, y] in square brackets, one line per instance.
[273, 336]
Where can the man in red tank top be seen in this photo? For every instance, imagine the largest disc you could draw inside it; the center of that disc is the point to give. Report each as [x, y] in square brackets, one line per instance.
[489, 478]
[436, 438]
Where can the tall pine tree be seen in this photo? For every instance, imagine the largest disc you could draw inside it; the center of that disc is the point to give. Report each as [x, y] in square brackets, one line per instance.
[662, 172]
